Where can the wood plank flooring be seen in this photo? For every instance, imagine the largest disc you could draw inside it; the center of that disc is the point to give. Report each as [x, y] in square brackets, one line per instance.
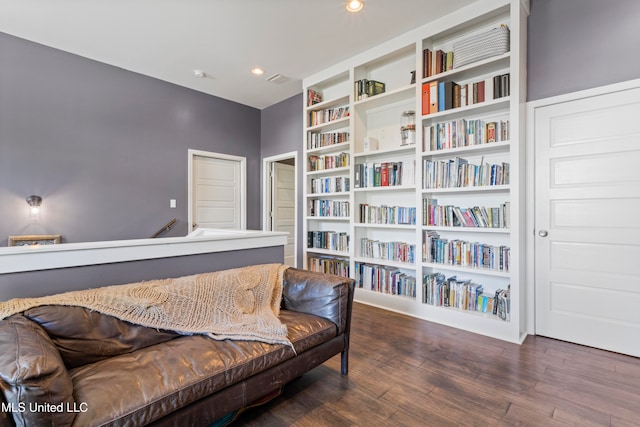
[408, 372]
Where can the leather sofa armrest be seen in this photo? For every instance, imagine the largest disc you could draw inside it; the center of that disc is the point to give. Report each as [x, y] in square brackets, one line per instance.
[33, 378]
[323, 295]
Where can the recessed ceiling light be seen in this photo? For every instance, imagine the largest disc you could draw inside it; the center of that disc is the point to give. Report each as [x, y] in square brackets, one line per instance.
[199, 73]
[257, 71]
[355, 5]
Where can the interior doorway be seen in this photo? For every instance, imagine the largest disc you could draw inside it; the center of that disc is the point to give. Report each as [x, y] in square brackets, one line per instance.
[280, 206]
[217, 191]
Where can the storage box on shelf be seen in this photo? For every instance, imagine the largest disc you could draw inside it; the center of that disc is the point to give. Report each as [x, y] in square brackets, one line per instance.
[435, 148]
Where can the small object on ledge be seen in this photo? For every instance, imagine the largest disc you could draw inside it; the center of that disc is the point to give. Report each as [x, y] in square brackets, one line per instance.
[34, 240]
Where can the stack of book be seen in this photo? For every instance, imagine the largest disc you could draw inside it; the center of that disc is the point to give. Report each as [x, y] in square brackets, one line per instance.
[464, 254]
[387, 280]
[464, 294]
[365, 88]
[445, 95]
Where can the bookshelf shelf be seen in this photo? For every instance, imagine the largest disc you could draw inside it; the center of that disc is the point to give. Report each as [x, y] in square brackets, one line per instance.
[483, 66]
[328, 252]
[500, 146]
[467, 229]
[343, 100]
[330, 125]
[378, 89]
[385, 226]
[479, 108]
[384, 262]
[331, 171]
[329, 218]
[385, 188]
[324, 195]
[398, 95]
[386, 152]
[470, 270]
[478, 189]
[334, 148]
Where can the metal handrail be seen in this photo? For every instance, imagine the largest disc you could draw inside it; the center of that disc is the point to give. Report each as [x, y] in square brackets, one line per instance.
[166, 227]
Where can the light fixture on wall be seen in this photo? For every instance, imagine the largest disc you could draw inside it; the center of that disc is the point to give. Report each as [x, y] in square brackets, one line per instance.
[355, 5]
[34, 206]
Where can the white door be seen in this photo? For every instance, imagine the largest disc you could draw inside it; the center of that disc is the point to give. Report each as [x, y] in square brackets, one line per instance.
[217, 192]
[587, 241]
[283, 206]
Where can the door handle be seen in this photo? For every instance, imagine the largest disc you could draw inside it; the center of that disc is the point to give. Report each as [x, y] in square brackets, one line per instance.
[543, 233]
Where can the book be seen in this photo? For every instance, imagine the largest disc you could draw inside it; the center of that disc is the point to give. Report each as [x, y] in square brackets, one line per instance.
[384, 175]
[433, 93]
[426, 98]
[313, 97]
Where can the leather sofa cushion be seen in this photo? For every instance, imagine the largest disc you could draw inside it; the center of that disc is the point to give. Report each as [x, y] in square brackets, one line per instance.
[307, 292]
[142, 386]
[25, 347]
[84, 336]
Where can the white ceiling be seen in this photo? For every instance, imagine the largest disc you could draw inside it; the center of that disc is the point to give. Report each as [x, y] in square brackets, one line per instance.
[168, 39]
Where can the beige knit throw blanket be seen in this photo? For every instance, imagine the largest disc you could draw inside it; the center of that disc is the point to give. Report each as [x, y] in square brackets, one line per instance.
[238, 304]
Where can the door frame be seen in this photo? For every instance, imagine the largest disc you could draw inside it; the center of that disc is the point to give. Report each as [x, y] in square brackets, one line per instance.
[243, 184]
[531, 180]
[266, 194]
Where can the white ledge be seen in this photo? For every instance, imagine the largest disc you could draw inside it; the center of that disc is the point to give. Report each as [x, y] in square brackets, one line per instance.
[45, 257]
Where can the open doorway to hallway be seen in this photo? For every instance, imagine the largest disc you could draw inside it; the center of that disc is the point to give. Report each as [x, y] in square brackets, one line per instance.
[280, 207]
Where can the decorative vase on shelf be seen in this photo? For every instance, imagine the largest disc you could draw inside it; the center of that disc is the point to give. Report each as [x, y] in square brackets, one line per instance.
[408, 128]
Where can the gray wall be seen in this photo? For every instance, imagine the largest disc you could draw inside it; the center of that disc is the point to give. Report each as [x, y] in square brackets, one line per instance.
[281, 132]
[106, 148]
[580, 44]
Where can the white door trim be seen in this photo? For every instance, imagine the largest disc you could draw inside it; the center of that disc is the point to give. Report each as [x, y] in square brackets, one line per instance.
[266, 193]
[531, 175]
[243, 187]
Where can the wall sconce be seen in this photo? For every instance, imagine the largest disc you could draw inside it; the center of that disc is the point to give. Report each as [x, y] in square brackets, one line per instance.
[34, 203]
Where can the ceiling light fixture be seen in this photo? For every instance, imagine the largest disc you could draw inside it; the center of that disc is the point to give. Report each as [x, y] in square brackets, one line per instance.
[199, 73]
[257, 71]
[355, 5]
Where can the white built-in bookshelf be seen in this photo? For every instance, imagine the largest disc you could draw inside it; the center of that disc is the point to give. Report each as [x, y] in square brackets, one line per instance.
[429, 223]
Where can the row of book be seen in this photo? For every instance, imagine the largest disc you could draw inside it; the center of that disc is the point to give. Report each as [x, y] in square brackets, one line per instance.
[454, 216]
[387, 280]
[387, 214]
[328, 265]
[385, 174]
[333, 184]
[391, 251]
[435, 62]
[328, 208]
[331, 240]
[318, 117]
[328, 161]
[464, 133]
[313, 97]
[325, 139]
[441, 96]
[458, 172]
[462, 253]
[466, 295]
[365, 88]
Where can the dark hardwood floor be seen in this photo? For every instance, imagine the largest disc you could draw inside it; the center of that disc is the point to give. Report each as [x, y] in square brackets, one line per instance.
[408, 372]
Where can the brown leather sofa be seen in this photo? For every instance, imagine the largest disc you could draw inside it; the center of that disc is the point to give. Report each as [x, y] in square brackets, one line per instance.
[64, 366]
